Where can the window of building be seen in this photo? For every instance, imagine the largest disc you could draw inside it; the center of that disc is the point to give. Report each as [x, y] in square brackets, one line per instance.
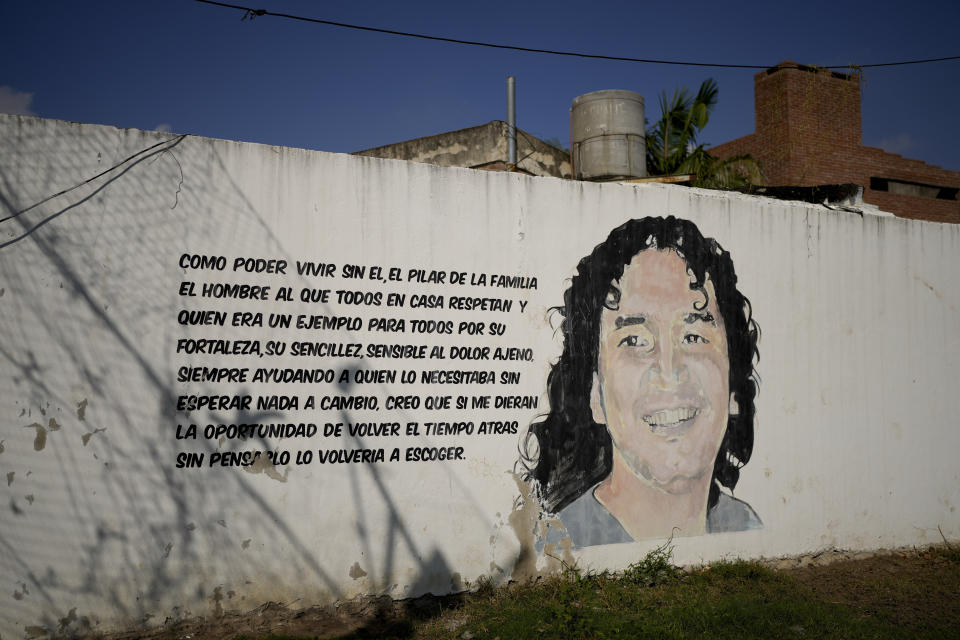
[908, 188]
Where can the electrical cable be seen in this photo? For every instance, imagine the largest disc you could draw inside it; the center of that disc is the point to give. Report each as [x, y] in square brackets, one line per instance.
[252, 13]
[529, 142]
[176, 140]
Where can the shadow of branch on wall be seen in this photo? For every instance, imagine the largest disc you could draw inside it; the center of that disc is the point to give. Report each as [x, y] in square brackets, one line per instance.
[85, 308]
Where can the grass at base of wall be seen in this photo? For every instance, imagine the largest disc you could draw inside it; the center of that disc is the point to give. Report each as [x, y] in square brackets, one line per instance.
[736, 600]
[730, 600]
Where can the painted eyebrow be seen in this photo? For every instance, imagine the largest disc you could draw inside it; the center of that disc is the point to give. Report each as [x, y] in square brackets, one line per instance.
[626, 321]
[702, 316]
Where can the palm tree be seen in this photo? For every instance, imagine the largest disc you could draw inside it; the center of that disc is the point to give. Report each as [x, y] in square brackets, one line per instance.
[672, 146]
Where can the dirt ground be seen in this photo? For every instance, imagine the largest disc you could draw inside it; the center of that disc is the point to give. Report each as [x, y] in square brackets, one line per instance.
[903, 586]
[367, 617]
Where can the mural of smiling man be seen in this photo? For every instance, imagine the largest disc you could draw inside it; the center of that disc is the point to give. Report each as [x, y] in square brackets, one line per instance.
[652, 400]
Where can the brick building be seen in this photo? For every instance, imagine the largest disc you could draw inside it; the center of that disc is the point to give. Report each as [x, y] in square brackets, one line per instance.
[808, 133]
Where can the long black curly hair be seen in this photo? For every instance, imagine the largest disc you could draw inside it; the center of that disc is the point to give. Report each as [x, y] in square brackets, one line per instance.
[568, 452]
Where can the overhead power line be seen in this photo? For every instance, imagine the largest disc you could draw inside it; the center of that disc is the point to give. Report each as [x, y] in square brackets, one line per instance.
[252, 13]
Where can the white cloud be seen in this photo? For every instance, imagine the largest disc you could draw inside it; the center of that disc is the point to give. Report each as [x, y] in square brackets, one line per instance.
[900, 143]
[15, 102]
[163, 127]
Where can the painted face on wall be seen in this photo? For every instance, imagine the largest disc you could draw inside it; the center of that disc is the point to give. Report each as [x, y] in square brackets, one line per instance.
[662, 380]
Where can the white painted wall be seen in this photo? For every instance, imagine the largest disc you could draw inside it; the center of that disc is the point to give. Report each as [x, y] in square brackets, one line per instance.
[856, 436]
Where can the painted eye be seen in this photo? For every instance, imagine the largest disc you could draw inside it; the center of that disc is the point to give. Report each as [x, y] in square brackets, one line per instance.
[692, 338]
[633, 341]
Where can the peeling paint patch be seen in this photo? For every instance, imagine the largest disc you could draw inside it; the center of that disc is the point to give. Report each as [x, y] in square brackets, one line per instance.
[245, 543]
[40, 441]
[67, 620]
[1, 446]
[82, 410]
[222, 523]
[18, 594]
[217, 597]
[933, 290]
[523, 520]
[264, 465]
[166, 550]
[356, 572]
[191, 526]
[86, 437]
[10, 475]
[559, 558]
[29, 498]
[34, 632]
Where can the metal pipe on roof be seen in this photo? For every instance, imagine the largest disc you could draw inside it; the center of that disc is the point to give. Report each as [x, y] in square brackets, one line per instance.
[511, 122]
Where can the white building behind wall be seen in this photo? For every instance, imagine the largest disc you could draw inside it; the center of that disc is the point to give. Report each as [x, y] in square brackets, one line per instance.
[855, 438]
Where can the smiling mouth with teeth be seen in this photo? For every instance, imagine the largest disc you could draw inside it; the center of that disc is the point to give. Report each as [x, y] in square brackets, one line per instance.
[671, 421]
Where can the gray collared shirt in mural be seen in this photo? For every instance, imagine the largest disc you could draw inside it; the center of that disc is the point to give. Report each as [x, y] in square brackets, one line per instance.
[588, 523]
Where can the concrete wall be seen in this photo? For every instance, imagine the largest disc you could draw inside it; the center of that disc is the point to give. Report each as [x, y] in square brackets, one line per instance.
[855, 435]
[481, 147]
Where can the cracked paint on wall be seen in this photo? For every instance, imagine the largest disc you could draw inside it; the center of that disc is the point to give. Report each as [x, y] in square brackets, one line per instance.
[40, 441]
[356, 572]
[86, 437]
[263, 465]
[523, 519]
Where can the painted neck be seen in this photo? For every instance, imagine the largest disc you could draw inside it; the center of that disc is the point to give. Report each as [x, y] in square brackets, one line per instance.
[646, 510]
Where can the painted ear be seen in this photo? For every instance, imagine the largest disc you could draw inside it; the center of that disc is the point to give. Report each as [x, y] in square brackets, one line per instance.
[596, 401]
[734, 409]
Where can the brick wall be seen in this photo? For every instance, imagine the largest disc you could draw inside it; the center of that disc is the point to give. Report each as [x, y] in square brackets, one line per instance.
[808, 132]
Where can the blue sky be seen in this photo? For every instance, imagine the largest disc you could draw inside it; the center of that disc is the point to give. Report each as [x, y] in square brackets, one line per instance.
[187, 67]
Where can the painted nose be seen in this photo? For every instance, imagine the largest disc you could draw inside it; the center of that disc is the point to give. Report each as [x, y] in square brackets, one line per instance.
[669, 370]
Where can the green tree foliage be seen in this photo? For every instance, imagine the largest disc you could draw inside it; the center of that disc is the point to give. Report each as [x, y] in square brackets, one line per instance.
[673, 147]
